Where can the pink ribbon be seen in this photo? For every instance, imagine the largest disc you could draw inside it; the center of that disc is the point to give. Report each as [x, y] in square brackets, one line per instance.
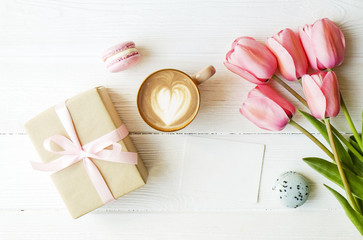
[74, 152]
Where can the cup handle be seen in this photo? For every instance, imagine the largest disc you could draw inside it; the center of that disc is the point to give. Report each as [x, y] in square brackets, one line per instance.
[204, 74]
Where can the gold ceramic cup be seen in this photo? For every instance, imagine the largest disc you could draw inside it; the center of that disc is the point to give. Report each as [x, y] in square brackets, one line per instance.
[168, 99]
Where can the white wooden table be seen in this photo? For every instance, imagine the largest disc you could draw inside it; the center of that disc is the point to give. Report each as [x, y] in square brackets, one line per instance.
[50, 50]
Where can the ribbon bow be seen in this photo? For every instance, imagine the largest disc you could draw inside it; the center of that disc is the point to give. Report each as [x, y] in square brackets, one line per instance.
[74, 152]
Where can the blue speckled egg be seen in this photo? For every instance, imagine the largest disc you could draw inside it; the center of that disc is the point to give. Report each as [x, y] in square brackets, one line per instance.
[292, 189]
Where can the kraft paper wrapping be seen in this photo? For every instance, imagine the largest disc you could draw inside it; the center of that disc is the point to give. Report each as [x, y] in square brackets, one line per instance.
[93, 116]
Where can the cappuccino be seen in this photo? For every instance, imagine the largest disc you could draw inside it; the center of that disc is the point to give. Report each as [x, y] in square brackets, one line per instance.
[168, 100]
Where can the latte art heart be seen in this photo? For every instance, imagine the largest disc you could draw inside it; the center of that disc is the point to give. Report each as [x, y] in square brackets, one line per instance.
[168, 100]
[170, 103]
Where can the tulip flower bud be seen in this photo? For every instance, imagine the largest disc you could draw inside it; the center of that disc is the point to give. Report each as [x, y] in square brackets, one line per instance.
[267, 109]
[322, 94]
[290, 54]
[324, 44]
[251, 60]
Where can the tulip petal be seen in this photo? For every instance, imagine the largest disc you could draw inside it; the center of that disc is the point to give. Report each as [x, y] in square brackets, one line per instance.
[269, 92]
[328, 42]
[330, 89]
[305, 37]
[245, 41]
[291, 42]
[243, 73]
[314, 97]
[264, 113]
[284, 59]
[256, 58]
[252, 62]
[320, 65]
[318, 78]
[259, 49]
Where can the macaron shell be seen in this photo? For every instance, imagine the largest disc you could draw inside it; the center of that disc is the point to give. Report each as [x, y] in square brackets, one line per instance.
[117, 48]
[292, 189]
[124, 64]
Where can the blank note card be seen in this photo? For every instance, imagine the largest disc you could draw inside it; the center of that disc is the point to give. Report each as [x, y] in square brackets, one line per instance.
[222, 169]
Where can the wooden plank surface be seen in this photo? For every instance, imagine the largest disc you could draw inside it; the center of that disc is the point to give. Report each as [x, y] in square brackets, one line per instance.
[50, 50]
[208, 226]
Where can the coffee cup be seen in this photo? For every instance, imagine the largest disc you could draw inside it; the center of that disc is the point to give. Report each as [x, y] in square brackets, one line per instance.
[168, 99]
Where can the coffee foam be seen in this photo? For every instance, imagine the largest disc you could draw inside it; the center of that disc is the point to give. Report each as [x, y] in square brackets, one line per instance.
[168, 100]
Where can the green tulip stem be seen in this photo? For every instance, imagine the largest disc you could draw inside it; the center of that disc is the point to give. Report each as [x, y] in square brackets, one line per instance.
[292, 91]
[312, 138]
[336, 132]
[350, 122]
[340, 167]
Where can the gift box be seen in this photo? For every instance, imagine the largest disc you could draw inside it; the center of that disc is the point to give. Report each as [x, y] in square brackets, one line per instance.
[87, 146]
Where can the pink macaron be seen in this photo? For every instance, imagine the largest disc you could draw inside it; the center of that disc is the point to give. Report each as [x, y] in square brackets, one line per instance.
[121, 56]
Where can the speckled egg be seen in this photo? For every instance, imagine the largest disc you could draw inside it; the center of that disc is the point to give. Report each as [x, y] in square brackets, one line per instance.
[292, 189]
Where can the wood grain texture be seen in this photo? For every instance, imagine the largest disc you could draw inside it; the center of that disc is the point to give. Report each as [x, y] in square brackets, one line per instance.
[40, 39]
[50, 50]
[259, 225]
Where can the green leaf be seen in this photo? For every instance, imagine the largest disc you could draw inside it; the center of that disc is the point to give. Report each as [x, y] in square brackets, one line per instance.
[343, 154]
[357, 164]
[354, 216]
[359, 202]
[355, 144]
[330, 171]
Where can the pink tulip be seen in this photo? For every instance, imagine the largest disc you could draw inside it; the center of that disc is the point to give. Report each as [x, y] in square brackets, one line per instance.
[267, 109]
[322, 94]
[251, 60]
[289, 53]
[324, 44]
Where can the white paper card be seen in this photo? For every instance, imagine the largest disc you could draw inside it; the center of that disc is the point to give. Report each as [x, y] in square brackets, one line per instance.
[222, 169]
